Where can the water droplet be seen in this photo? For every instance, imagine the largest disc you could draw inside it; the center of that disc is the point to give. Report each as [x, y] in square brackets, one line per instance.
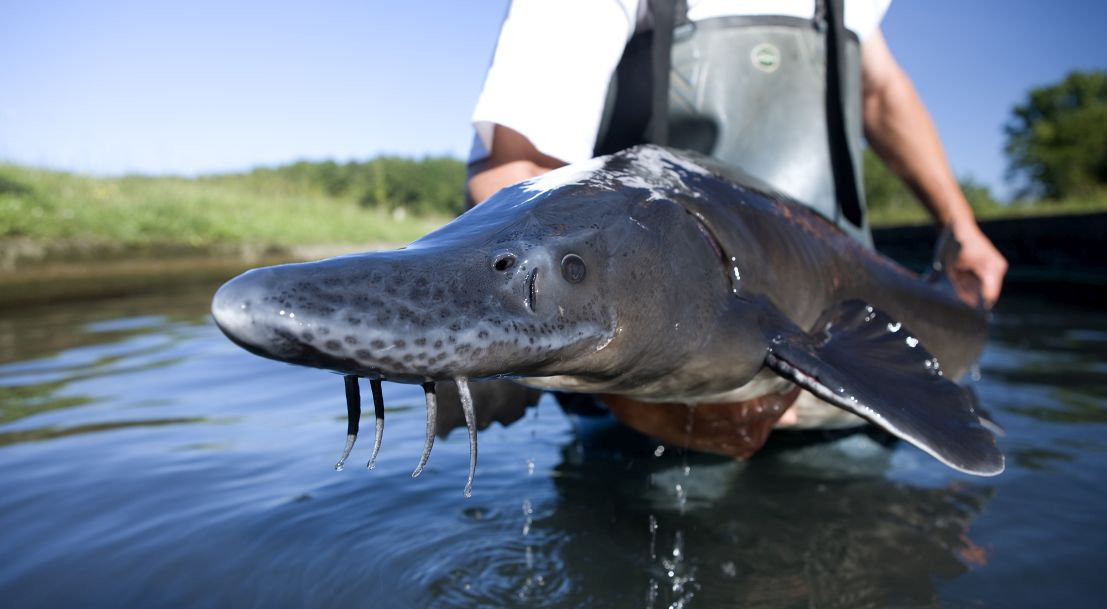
[660, 450]
[911, 341]
[653, 537]
[894, 327]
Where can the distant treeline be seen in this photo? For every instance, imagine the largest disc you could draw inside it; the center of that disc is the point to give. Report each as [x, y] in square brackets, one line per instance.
[890, 201]
[427, 186]
[435, 186]
[1056, 149]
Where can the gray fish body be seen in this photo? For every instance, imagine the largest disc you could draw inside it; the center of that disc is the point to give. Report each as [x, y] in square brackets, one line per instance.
[648, 273]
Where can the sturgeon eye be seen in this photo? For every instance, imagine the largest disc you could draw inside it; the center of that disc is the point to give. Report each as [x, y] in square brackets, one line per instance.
[504, 262]
[572, 268]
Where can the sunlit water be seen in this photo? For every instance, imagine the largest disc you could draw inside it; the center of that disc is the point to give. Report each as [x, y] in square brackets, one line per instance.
[145, 461]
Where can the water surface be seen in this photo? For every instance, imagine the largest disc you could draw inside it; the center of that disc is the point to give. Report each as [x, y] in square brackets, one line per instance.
[145, 461]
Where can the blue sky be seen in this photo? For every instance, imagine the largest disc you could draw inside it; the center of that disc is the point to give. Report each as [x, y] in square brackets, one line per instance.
[199, 87]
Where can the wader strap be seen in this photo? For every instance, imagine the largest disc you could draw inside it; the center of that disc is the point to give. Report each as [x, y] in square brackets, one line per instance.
[665, 15]
[841, 161]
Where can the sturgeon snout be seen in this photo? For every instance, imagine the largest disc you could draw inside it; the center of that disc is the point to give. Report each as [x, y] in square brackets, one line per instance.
[417, 316]
[383, 315]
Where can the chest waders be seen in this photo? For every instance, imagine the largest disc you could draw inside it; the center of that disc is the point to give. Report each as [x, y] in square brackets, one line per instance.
[778, 97]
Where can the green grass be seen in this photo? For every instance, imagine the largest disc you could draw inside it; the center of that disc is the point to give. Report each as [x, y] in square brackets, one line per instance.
[916, 214]
[266, 209]
[56, 207]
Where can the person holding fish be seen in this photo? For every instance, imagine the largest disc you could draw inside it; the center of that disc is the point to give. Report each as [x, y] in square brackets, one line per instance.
[697, 303]
[783, 90]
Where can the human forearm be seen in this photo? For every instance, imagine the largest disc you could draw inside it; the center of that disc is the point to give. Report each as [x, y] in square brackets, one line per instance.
[513, 159]
[899, 129]
[486, 181]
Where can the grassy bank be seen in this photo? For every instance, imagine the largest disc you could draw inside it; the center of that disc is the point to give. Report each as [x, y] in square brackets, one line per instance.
[916, 214]
[53, 207]
[65, 236]
[281, 209]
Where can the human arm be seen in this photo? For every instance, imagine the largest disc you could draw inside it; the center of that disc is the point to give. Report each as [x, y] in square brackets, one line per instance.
[513, 159]
[545, 91]
[899, 129]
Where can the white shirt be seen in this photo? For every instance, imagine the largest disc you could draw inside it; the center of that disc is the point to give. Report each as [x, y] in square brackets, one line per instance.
[554, 59]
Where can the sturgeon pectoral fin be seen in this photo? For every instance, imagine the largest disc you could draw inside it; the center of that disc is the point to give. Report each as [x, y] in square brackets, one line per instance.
[353, 418]
[867, 363]
[986, 418]
[432, 416]
[378, 421]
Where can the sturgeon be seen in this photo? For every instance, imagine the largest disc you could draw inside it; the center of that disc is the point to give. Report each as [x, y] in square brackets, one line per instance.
[651, 275]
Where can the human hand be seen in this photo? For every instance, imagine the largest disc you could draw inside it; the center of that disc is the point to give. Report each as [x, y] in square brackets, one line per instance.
[979, 267]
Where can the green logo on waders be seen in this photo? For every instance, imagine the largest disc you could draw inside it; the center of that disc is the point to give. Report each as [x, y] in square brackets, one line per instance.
[765, 57]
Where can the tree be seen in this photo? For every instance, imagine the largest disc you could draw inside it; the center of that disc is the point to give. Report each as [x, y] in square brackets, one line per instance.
[1057, 138]
[978, 195]
[890, 199]
[884, 191]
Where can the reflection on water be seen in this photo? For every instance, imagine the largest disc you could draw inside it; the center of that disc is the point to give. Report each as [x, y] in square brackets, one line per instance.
[146, 461]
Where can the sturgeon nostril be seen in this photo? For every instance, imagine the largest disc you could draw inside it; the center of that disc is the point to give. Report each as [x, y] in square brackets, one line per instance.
[572, 268]
[504, 262]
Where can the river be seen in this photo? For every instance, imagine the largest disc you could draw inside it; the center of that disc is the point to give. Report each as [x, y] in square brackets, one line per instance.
[145, 461]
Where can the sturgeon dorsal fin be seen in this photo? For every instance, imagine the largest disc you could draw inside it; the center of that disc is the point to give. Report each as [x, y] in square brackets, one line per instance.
[865, 362]
[943, 271]
[946, 250]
